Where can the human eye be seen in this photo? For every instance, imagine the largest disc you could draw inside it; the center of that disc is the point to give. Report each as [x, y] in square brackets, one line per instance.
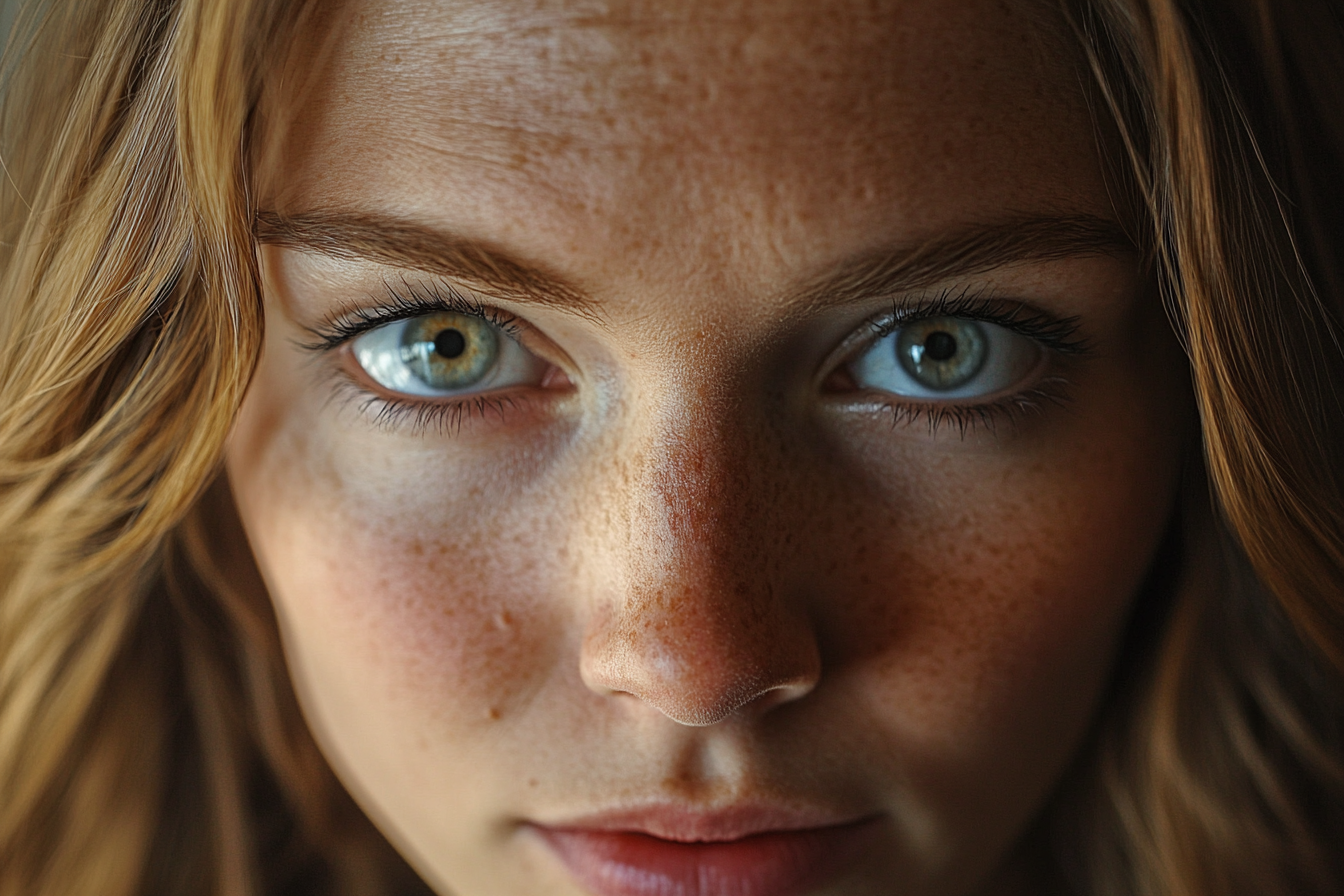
[944, 358]
[443, 354]
[962, 360]
[434, 355]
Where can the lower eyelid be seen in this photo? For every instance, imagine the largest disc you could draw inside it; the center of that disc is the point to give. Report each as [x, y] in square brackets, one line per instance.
[417, 417]
[1012, 409]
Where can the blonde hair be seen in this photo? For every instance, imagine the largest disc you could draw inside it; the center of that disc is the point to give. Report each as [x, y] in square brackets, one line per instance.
[142, 716]
[149, 740]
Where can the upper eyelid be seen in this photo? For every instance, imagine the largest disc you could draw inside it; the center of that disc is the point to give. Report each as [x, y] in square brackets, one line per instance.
[411, 301]
[1055, 332]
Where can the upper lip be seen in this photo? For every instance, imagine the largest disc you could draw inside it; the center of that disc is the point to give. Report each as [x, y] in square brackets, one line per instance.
[689, 824]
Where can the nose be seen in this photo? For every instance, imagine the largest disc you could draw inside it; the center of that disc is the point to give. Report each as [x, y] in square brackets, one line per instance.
[706, 622]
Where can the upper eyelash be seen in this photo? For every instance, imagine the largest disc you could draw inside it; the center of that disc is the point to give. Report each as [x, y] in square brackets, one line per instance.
[1056, 333]
[415, 300]
[1059, 334]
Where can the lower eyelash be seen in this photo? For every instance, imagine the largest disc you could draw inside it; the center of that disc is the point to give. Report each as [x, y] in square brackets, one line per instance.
[441, 418]
[422, 417]
[1012, 409]
[448, 417]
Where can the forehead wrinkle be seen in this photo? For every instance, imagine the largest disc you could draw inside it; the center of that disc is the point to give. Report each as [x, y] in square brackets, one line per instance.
[494, 73]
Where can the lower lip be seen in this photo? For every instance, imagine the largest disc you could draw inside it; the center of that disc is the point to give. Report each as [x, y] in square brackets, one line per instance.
[776, 863]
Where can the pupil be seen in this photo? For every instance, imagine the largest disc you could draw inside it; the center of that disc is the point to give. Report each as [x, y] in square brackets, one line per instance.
[940, 346]
[450, 343]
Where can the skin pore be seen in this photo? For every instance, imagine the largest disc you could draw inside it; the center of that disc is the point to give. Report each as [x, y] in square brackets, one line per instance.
[690, 566]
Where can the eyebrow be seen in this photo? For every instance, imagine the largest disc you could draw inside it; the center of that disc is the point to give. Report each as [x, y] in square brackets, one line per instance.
[972, 249]
[405, 244]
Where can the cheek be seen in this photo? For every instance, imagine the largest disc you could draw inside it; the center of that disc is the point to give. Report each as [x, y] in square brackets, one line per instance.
[1008, 575]
[408, 584]
[446, 615]
[984, 605]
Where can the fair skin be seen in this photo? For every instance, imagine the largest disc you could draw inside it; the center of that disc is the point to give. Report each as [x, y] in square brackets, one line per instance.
[695, 566]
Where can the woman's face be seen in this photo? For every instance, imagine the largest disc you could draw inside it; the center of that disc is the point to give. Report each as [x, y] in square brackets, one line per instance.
[701, 448]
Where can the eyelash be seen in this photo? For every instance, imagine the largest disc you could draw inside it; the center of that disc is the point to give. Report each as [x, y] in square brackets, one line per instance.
[390, 412]
[1054, 334]
[444, 417]
[1011, 409]
[415, 301]
[1058, 334]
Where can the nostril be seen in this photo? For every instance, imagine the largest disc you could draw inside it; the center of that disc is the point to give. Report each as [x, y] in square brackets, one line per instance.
[680, 704]
[705, 682]
[702, 713]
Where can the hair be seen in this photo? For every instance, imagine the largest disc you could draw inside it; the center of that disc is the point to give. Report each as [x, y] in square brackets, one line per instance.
[149, 739]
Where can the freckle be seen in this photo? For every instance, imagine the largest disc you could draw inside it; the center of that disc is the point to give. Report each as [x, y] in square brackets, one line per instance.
[531, 782]
[417, 548]
[492, 713]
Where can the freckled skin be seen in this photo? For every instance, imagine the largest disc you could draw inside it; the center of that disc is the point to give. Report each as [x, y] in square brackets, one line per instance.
[696, 575]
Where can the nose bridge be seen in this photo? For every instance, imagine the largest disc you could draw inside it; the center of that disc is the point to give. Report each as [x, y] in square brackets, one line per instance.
[694, 490]
[703, 625]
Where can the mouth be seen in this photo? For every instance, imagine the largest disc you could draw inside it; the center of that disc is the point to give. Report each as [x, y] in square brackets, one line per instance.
[666, 851]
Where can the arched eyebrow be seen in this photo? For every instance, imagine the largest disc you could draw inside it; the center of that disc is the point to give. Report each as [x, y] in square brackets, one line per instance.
[975, 248]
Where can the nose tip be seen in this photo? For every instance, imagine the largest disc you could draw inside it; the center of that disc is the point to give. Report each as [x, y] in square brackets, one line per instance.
[700, 672]
[701, 615]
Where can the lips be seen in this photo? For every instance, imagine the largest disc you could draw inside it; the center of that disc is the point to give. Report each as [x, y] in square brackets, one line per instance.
[671, 852]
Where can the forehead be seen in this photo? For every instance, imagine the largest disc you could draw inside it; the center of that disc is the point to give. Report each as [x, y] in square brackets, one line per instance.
[708, 122]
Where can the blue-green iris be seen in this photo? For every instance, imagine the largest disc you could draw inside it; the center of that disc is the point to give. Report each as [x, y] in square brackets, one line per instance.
[449, 351]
